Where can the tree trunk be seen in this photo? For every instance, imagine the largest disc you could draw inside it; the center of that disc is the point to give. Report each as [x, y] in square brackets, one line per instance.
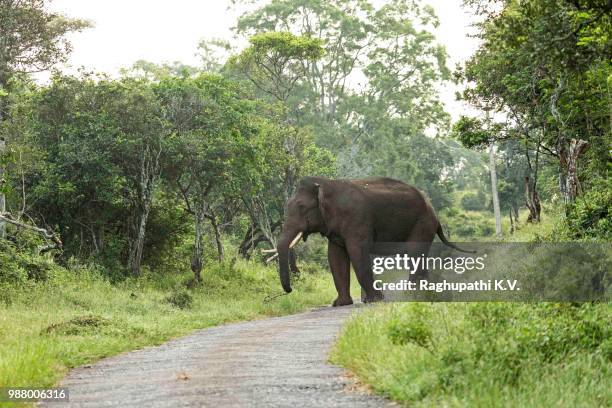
[511, 220]
[149, 171]
[198, 244]
[137, 244]
[563, 186]
[516, 214]
[217, 231]
[532, 202]
[247, 242]
[494, 194]
[569, 161]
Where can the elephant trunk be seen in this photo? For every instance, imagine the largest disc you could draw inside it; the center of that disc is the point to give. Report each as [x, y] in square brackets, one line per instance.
[288, 239]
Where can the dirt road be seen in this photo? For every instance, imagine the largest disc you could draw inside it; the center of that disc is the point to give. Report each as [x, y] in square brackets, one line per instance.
[277, 362]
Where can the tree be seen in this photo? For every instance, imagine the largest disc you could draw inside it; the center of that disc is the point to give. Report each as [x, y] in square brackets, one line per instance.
[474, 133]
[142, 138]
[342, 28]
[275, 61]
[401, 64]
[75, 184]
[101, 142]
[544, 63]
[209, 148]
[284, 155]
[31, 40]
[512, 172]
[494, 192]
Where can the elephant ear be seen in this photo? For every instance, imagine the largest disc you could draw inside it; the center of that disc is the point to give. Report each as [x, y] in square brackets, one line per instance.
[321, 199]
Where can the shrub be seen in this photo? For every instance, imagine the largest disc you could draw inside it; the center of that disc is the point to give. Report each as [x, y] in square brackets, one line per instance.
[38, 271]
[77, 325]
[590, 216]
[473, 201]
[180, 298]
[11, 269]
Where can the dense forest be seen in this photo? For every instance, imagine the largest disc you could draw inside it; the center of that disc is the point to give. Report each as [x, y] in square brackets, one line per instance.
[119, 170]
[180, 173]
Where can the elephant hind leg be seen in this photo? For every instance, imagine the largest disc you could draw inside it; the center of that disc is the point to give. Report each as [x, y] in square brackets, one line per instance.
[419, 243]
[360, 259]
[340, 269]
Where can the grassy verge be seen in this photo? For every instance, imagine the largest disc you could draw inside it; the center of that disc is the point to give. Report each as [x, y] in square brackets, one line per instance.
[483, 354]
[76, 317]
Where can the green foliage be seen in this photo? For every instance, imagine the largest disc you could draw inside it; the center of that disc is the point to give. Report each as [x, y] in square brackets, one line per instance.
[95, 156]
[544, 64]
[92, 135]
[590, 217]
[20, 264]
[481, 354]
[287, 45]
[412, 330]
[468, 225]
[473, 201]
[276, 60]
[378, 127]
[79, 325]
[180, 298]
[33, 38]
[470, 132]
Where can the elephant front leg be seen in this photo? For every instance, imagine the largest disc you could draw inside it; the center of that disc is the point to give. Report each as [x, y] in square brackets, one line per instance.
[340, 269]
[360, 259]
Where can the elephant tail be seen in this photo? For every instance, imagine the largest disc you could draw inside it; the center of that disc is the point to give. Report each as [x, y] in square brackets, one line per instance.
[440, 233]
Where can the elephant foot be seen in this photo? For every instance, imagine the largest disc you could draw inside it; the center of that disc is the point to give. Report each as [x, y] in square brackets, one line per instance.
[373, 297]
[342, 301]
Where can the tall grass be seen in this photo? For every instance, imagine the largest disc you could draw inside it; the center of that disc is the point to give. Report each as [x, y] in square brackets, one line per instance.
[483, 355]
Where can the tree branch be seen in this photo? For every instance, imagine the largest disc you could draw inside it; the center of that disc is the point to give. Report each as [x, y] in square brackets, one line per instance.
[45, 233]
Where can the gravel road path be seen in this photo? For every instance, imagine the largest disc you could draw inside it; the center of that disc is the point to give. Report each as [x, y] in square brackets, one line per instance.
[277, 362]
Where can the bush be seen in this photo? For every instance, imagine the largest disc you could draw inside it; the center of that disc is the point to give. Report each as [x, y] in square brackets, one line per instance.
[590, 216]
[77, 325]
[180, 298]
[12, 269]
[473, 201]
[468, 226]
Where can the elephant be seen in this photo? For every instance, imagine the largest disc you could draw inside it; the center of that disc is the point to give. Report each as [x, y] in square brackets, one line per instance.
[351, 213]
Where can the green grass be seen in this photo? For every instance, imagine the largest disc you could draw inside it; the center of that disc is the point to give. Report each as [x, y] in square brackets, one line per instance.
[483, 354]
[75, 317]
[480, 225]
[551, 220]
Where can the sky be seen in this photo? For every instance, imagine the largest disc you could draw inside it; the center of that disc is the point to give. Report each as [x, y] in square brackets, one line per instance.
[159, 31]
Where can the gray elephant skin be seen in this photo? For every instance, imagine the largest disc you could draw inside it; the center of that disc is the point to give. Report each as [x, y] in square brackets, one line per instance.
[352, 214]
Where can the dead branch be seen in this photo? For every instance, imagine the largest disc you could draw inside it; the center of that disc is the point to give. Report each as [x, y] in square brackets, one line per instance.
[57, 243]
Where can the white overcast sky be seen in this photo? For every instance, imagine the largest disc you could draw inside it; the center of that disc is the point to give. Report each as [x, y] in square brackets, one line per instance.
[164, 31]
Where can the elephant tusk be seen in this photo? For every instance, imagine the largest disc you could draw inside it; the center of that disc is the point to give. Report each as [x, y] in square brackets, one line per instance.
[295, 240]
[268, 251]
[271, 258]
